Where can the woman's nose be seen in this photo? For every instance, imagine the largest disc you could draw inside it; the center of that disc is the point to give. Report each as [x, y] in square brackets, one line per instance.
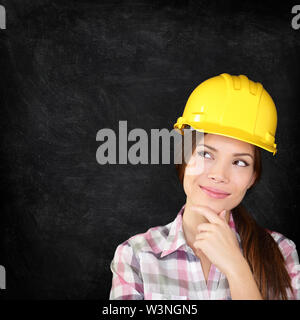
[218, 173]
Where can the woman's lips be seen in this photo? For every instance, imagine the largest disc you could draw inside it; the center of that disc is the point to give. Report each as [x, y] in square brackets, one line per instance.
[214, 194]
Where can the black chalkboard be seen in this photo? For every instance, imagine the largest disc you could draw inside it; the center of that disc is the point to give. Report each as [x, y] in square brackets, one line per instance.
[70, 68]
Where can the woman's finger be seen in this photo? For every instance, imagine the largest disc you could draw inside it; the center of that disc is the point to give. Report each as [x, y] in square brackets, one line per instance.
[205, 227]
[202, 235]
[209, 214]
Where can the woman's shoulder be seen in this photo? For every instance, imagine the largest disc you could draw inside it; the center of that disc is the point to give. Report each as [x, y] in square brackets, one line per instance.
[285, 244]
[152, 240]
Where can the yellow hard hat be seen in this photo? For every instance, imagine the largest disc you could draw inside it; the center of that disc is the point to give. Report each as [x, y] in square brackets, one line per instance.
[232, 106]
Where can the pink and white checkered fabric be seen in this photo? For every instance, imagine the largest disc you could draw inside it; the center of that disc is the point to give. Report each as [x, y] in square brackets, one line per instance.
[159, 265]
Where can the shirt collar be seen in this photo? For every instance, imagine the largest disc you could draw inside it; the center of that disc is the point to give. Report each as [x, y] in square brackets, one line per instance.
[176, 238]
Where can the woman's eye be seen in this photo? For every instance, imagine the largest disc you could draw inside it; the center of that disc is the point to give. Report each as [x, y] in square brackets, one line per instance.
[244, 162]
[201, 153]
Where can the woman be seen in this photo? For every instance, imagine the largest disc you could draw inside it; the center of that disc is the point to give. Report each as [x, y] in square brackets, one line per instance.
[214, 249]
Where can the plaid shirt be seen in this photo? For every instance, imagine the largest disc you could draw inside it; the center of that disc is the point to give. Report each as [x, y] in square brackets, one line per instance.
[159, 265]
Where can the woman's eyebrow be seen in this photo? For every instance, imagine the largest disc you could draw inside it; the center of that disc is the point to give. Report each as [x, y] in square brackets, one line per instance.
[235, 154]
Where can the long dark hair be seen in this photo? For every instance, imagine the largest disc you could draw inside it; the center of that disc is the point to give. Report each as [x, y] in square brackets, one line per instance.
[259, 247]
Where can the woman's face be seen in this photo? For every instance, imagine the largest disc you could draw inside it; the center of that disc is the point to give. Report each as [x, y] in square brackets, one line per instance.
[218, 167]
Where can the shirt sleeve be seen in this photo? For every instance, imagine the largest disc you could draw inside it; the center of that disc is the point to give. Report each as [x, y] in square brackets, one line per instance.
[293, 268]
[291, 259]
[127, 282]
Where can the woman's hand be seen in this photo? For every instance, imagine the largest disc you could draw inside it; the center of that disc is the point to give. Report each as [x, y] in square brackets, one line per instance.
[218, 241]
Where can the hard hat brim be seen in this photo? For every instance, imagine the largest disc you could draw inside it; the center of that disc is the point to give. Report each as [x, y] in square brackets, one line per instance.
[228, 132]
